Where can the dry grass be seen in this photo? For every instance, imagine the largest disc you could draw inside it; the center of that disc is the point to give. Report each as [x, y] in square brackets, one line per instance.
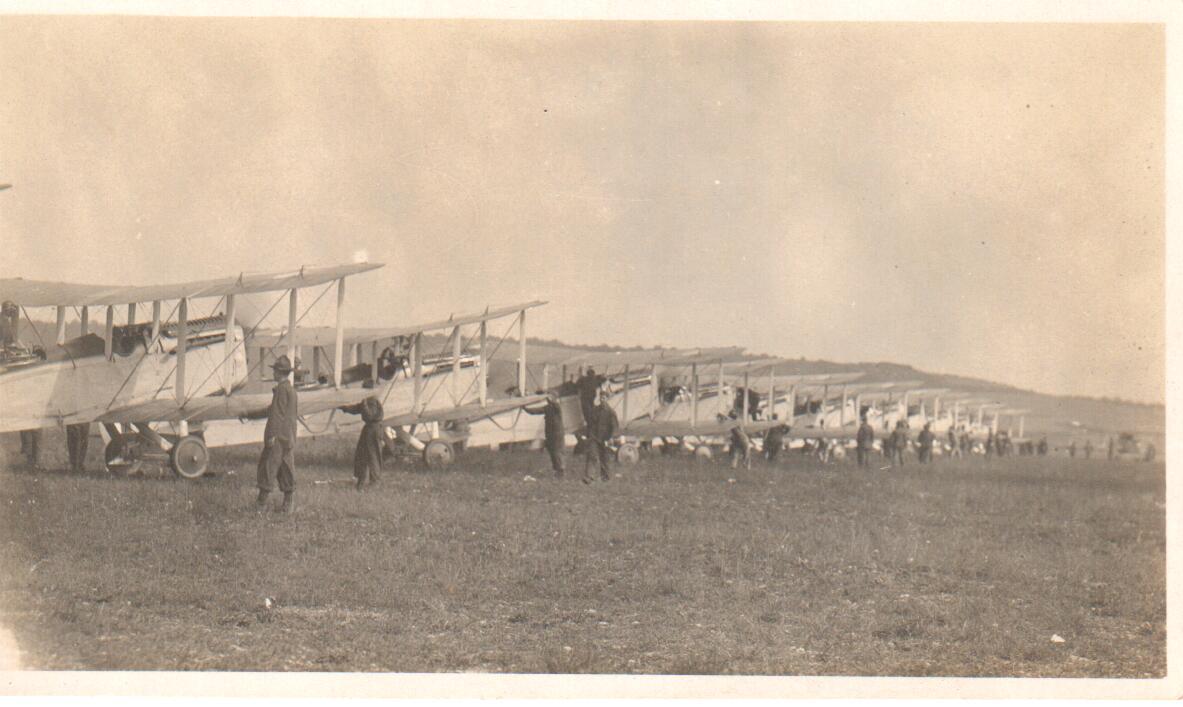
[958, 569]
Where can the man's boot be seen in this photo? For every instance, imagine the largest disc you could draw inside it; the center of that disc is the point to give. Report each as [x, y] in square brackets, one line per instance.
[261, 500]
[289, 502]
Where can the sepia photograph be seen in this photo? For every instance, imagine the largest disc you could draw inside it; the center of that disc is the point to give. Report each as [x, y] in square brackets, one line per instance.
[355, 347]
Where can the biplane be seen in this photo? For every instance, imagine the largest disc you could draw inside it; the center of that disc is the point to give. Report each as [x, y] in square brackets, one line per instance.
[152, 383]
[423, 381]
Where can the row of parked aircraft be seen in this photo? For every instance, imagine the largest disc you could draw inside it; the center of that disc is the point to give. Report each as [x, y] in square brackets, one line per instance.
[168, 386]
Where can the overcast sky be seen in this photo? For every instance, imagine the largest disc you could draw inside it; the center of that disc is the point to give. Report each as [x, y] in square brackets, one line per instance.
[975, 199]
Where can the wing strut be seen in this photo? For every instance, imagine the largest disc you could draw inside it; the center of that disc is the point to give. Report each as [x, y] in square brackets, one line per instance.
[484, 382]
[339, 340]
[522, 352]
[624, 411]
[457, 342]
[293, 318]
[61, 325]
[230, 342]
[182, 344]
[719, 410]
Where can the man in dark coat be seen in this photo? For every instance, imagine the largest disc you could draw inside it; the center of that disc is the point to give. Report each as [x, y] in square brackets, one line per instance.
[899, 442]
[589, 385]
[601, 429]
[553, 431]
[279, 440]
[864, 439]
[367, 457]
[774, 441]
[925, 440]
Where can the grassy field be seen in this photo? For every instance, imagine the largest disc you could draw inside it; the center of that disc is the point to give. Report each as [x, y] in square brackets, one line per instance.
[958, 569]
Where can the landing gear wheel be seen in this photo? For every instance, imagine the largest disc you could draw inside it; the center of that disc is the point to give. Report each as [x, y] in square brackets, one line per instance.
[189, 457]
[703, 453]
[628, 454]
[438, 454]
[120, 457]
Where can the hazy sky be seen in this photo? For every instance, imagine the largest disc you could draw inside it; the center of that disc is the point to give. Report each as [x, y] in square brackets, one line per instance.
[976, 199]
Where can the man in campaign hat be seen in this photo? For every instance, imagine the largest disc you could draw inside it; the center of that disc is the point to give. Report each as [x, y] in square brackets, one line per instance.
[279, 439]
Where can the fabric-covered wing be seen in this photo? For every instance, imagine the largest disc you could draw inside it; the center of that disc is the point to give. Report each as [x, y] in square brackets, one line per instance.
[467, 413]
[42, 293]
[326, 336]
[220, 407]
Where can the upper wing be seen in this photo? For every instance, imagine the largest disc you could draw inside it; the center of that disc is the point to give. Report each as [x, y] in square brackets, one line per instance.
[326, 336]
[41, 293]
[662, 357]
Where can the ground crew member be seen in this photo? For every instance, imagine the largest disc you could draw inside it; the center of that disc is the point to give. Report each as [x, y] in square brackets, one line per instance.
[554, 434]
[899, 442]
[864, 439]
[77, 441]
[774, 441]
[279, 439]
[954, 450]
[1110, 448]
[1088, 449]
[926, 439]
[1042, 448]
[741, 447]
[367, 457]
[588, 385]
[989, 443]
[601, 429]
[1072, 449]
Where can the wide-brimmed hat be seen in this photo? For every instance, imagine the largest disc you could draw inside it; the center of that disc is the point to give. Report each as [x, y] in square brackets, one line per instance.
[282, 364]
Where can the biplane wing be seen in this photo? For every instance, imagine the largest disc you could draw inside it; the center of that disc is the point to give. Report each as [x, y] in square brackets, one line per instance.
[43, 293]
[467, 413]
[325, 336]
[231, 407]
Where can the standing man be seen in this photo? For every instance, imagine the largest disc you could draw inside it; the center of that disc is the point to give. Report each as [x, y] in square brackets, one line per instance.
[954, 450]
[367, 457]
[1088, 449]
[864, 439]
[989, 443]
[1110, 448]
[741, 447]
[926, 439]
[899, 442]
[589, 385]
[279, 439]
[554, 434]
[601, 428]
[774, 441]
[1072, 449]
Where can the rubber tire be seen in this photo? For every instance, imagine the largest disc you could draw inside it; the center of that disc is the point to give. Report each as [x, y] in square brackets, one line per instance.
[628, 454]
[189, 457]
[438, 454]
